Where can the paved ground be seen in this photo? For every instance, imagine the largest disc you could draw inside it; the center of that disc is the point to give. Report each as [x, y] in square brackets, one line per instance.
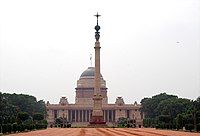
[104, 132]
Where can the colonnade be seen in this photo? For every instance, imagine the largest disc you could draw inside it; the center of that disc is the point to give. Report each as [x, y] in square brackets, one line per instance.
[79, 115]
[75, 115]
[109, 115]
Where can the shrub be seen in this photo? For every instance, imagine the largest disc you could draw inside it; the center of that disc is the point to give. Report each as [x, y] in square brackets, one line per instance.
[161, 125]
[157, 126]
[41, 126]
[37, 126]
[173, 126]
[9, 127]
[68, 125]
[14, 127]
[198, 127]
[21, 127]
[33, 127]
[26, 127]
[178, 127]
[38, 116]
[189, 127]
[23, 116]
[4, 128]
[29, 126]
[45, 126]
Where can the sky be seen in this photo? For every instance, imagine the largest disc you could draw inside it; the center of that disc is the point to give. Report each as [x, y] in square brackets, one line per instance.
[147, 47]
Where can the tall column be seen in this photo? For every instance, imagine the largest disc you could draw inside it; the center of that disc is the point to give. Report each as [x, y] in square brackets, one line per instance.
[97, 90]
[97, 114]
[97, 107]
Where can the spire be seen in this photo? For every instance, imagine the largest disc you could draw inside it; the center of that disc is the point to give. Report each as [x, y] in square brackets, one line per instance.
[97, 28]
[90, 60]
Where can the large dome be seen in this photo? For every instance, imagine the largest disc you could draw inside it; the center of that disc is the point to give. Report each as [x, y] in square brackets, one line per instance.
[88, 72]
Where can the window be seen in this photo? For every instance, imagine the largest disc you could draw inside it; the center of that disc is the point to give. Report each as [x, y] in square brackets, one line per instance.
[55, 114]
[127, 114]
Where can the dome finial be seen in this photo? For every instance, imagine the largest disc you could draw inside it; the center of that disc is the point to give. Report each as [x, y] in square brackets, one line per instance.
[90, 59]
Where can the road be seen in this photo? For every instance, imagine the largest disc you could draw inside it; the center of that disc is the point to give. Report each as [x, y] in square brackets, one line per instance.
[104, 132]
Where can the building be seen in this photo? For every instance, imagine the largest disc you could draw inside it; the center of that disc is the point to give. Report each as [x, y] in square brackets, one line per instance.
[91, 103]
[80, 112]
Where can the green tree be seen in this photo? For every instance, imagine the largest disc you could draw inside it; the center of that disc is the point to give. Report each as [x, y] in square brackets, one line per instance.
[23, 116]
[17, 111]
[40, 107]
[149, 105]
[171, 112]
[38, 116]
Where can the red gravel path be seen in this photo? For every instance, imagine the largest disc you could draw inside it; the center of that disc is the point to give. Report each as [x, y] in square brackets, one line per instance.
[104, 132]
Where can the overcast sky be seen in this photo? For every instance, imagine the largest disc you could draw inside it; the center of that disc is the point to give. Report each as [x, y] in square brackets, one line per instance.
[148, 47]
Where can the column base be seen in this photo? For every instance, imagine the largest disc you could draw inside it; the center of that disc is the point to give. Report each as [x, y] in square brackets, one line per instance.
[97, 121]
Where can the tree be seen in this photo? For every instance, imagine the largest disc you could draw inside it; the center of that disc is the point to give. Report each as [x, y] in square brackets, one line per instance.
[17, 111]
[23, 116]
[149, 105]
[38, 116]
[40, 107]
[171, 112]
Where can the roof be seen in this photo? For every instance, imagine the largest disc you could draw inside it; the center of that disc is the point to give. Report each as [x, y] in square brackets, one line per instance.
[89, 72]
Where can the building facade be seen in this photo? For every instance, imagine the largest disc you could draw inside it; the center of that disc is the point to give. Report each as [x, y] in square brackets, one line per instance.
[80, 113]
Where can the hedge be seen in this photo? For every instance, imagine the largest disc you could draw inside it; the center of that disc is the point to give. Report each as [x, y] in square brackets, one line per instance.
[189, 127]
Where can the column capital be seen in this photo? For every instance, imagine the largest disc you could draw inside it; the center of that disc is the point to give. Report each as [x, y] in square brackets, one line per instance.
[97, 44]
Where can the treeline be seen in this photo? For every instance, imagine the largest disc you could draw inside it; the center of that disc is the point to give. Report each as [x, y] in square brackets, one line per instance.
[170, 112]
[20, 112]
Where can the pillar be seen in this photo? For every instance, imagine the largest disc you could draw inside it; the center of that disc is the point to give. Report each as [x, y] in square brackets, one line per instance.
[75, 116]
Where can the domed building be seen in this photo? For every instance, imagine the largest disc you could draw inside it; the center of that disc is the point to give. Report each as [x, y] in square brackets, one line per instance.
[91, 105]
[85, 88]
[79, 113]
